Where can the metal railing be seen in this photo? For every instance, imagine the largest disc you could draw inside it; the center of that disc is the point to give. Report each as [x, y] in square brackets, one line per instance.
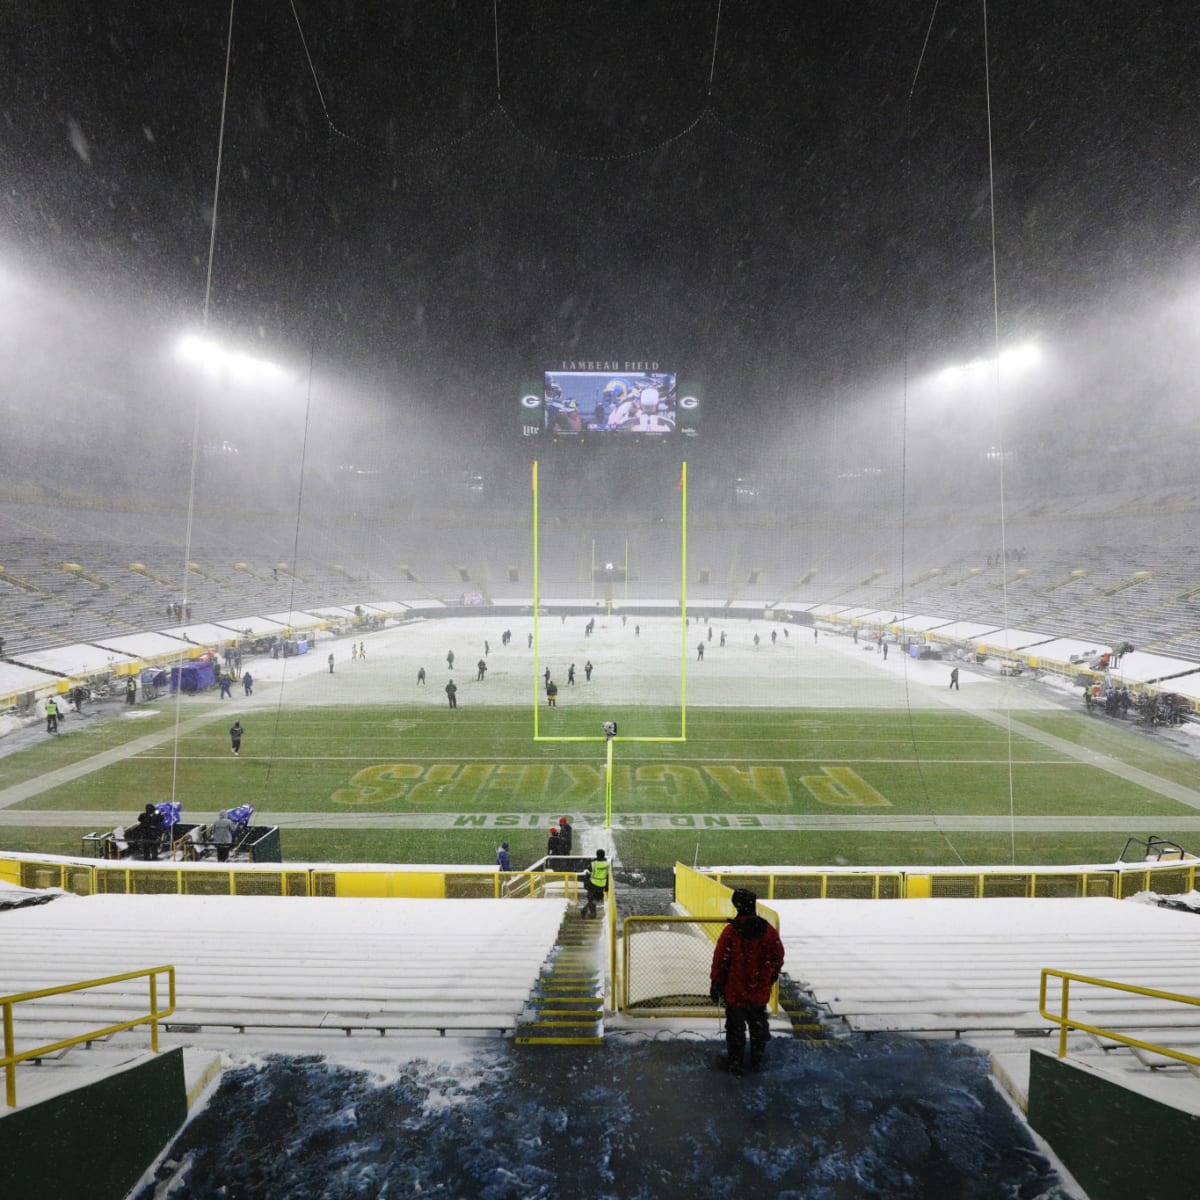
[666, 964]
[1065, 1022]
[11, 1057]
[1167, 877]
[533, 884]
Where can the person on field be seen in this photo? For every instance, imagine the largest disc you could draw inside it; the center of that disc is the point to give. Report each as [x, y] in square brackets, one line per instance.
[52, 715]
[221, 835]
[421, 676]
[954, 678]
[503, 862]
[481, 667]
[235, 738]
[553, 843]
[150, 826]
[452, 694]
[745, 967]
[552, 694]
[595, 883]
[566, 836]
[587, 670]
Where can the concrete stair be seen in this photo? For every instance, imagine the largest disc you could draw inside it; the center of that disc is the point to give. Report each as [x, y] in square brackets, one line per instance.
[566, 1005]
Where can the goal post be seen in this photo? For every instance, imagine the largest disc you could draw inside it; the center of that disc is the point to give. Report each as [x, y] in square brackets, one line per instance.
[538, 736]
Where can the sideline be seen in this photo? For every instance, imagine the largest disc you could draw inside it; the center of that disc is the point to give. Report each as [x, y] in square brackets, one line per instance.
[676, 822]
[1093, 758]
[78, 770]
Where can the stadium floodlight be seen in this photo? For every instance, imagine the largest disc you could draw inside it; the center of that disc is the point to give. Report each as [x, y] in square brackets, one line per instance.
[1020, 357]
[1010, 362]
[237, 365]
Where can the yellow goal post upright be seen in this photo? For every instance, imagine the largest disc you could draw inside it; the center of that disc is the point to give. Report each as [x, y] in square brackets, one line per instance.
[538, 736]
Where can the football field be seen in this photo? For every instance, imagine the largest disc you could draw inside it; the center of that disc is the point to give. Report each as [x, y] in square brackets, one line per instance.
[799, 750]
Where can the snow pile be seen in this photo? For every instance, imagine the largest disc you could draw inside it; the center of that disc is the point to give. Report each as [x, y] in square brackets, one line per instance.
[883, 1119]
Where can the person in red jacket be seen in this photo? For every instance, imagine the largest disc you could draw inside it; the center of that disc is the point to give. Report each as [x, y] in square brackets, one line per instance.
[745, 966]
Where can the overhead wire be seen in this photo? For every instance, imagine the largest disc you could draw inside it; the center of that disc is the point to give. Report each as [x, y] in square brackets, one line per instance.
[294, 574]
[908, 219]
[998, 404]
[191, 501]
[706, 114]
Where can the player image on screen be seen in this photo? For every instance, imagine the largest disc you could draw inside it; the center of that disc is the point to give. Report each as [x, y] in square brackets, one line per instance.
[562, 411]
[597, 402]
[649, 409]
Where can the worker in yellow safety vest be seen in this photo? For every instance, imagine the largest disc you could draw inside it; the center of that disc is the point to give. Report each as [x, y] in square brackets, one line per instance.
[595, 882]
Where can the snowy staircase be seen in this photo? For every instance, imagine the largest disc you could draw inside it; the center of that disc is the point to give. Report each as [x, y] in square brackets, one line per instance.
[566, 1006]
[802, 1012]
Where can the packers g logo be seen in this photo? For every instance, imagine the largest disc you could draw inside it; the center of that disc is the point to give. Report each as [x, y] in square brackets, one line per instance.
[689, 402]
[531, 401]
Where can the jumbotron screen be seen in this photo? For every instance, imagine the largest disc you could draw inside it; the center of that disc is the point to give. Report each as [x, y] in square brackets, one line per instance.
[610, 403]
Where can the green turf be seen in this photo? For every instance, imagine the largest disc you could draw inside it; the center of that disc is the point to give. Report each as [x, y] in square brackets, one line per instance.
[855, 766]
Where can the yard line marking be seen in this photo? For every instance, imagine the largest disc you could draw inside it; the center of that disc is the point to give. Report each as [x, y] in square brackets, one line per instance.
[490, 758]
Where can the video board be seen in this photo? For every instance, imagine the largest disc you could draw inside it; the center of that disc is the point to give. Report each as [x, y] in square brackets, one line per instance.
[609, 404]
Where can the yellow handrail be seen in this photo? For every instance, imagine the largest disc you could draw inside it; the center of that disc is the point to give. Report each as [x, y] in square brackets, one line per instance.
[11, 1058]
[513, 885]
[1063, 1020]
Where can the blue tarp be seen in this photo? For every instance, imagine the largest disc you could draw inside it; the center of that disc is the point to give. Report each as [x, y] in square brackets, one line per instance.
[241, 815]
[193, 677]
[171, 811]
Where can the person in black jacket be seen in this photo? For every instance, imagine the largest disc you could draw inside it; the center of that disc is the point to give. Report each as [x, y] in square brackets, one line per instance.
[149, 832]
[566, 836]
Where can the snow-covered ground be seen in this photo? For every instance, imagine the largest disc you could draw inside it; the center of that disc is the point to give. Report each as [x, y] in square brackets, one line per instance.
[636, 660]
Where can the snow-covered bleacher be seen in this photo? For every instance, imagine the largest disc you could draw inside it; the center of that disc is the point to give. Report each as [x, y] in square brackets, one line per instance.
[305, 966]
[972, 969]
[1111, 568]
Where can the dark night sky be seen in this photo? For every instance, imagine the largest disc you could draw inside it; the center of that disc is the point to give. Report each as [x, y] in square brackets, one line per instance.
[791, 228]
